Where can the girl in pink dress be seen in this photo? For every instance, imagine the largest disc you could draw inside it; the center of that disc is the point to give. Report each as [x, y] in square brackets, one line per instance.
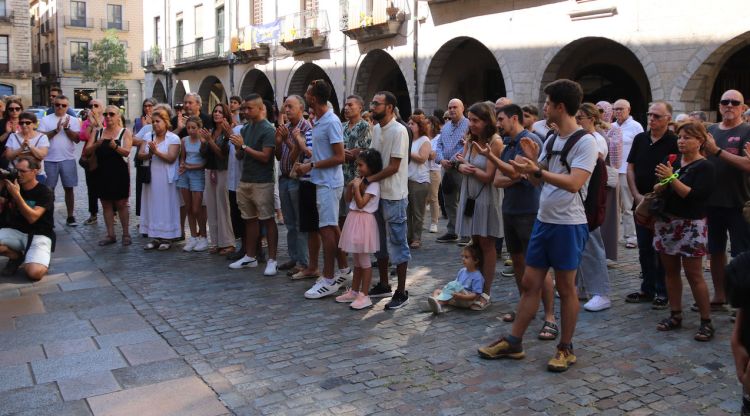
[360, 233]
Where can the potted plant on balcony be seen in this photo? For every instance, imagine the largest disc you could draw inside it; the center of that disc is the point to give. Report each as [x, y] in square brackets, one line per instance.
[392, 11]
[155, 55]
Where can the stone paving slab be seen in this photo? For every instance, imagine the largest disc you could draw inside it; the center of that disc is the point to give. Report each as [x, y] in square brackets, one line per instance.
[91, 384]
[77, 365]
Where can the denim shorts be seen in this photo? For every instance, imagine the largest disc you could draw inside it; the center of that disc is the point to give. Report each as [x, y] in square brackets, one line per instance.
[556, 245]
[67, 170]
[328, 205]
[193, 180]
[391, 219]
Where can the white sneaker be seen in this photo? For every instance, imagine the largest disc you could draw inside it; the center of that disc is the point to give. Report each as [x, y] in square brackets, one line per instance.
[201, 245]
[597, 303]
[245, 261]
[433, 228]
[270, 268]
[190, 245]
[344, 272]
[322, 289]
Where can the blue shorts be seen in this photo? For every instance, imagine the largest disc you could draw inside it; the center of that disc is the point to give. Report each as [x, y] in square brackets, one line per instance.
[556, 245]
[328, 205]
[194, 180]
[67, 170]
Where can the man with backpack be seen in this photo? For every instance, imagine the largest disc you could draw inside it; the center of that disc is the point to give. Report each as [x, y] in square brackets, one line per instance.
[561, 229]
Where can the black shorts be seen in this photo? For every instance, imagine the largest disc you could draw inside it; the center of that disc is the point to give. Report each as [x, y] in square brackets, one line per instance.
[308, 208]
[723, 222]
[517, 229]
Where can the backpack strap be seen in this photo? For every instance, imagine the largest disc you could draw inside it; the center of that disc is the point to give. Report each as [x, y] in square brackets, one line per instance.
[563, 153]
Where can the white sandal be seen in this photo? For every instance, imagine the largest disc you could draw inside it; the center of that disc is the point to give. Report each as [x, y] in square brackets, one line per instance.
[481, 303]
[163, 246]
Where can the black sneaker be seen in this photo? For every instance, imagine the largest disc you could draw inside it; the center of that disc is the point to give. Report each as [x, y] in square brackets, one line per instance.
[380, 291]
[447, 238]
[71, 222]
[12, 267]
[659, 304]
[398, 300]
[638, 297]
[463, 242]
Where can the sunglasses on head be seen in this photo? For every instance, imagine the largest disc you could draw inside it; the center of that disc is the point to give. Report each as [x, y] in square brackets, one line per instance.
[25, 123]
[110, 114]
[734, 103]
[61, 105]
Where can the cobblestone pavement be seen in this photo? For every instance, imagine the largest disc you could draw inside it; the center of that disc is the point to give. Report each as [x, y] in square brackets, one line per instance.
[264, 349]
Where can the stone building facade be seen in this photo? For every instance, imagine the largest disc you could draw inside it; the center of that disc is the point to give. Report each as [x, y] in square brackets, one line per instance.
[427, 52]
[15, 54]
[64, 31]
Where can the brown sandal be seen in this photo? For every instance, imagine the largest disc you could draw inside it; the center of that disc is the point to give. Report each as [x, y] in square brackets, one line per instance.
[549, 331]
[673, 322]
[108, 241]
[226, 250]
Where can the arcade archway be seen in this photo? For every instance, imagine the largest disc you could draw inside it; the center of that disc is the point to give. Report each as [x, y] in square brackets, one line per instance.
[159, 94]
[179, 92]
[256, 81]
[380, 72]
[212, 92]
[307, 73]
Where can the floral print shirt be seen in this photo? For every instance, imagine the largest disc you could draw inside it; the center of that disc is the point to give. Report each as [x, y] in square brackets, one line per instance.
[358, 136]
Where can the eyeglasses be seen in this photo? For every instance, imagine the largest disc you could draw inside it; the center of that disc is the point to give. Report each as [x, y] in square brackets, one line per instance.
[656, 116]
[148, 105]
[620, 109]
[94, 106]
[23, 170]
[734, 103]
[25, 123]
[60, 105]
[14, 109]
[110, 114]
[375, 104]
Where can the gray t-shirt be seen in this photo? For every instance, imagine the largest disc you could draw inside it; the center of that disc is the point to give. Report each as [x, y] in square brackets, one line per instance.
[556, 205]
[732, 188]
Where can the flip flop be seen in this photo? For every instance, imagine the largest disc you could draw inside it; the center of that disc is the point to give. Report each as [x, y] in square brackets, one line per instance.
[126, 240]
[108, 241]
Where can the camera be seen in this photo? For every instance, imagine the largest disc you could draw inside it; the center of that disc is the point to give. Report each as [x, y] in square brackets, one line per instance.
[11, 174]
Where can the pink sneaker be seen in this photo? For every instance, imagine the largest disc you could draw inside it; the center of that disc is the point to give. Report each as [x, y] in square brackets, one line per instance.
[348, 297]
[361, 302]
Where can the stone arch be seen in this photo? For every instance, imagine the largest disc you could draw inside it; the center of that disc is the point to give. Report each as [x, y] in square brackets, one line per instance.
[607, 70]
[307, 73]
[378, 71]
[212, 92]
[158, 93]
[179, 92]
[479, 77]
[255, 81]
[694, 88]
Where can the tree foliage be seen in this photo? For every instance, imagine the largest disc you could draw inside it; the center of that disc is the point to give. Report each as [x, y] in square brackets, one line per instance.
[106, 61]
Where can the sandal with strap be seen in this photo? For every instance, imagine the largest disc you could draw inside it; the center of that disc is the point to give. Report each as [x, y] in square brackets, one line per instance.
[126, 240]
[673, 322]
[108, 241]
[164, 245]
[705, 332]
[481, 303]
[549, 331]
[151, 245]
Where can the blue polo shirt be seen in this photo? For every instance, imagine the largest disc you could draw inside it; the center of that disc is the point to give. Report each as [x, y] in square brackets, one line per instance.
[521, 198]
[326, 132]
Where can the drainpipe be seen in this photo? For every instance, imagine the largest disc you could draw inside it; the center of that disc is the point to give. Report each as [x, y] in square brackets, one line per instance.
[415, 19]
[342, 4]
[276, 45]
[230, 56]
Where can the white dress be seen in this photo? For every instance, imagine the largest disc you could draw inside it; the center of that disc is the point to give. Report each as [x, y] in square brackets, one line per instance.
[160, 201]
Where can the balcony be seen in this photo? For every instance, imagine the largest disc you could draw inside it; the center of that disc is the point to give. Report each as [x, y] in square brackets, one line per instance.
[79, 22]
[305, 31]
[367, 20]
[47, 27]
[201, 53]
[151, 60]
[122, 25]
[246, 49]
[7, 16]
[78, 66]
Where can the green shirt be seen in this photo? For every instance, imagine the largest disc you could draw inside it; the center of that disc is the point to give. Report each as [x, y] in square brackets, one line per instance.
[257, 136]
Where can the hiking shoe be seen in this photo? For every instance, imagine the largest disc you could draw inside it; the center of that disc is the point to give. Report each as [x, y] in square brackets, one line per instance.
[597, 303]
[433, 228]
[435, 306]
[321, 289]
[638, 297]
[659, 304]
[362, 302]
[348, 297]
[190, 245]
[71, 222]
[398, 300]
[447, 238]
[563, 359]
[244, 262]
[502, 349]
[381, 291]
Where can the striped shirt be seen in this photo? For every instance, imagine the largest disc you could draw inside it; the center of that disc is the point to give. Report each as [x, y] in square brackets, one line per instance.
[451, 139]
[286, 161]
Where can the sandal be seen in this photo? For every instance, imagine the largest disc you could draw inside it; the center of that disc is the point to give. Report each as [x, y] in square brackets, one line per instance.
[705, 332]
[481, 303]
[108, 241]
[549, 331]
[226, 250]
[415, 244]
[673, 322]
[151, 245]
[509, 317]
[126, 240]
[164, 246]
[715, 307]
[213, 250]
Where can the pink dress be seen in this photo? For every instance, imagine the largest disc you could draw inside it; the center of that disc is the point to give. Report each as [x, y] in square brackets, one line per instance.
[360, 232]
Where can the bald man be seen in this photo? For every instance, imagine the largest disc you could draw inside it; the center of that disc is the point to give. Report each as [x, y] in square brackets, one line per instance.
[630, 128]
[450, 143]
[727, 151]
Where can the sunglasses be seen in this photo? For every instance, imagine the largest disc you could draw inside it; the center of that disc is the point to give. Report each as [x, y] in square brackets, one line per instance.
[734, 103]
[94, 106]
[25, 123]
[110, 114]
[655, 116]
[15, 108]
[61, 105]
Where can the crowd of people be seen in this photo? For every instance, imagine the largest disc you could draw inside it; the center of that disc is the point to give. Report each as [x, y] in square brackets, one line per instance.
[561, 190]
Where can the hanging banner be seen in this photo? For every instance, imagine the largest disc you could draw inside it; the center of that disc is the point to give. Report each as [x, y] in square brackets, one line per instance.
[267, 33]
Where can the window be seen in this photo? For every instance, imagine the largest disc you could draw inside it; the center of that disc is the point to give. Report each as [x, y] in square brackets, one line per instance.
[179, 29]
[3, 8]
[220, 29]
[257, 16]
[157, 37]
[3, 54]
[114, 16]
[199, 21]
[309, 5]
[77, 13]
[79, 55]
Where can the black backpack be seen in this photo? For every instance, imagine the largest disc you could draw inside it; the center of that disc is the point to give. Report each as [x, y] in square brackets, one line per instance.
[595, 203]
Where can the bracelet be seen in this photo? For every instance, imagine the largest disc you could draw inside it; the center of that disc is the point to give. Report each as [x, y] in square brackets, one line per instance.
[668, 179]
[718, 152]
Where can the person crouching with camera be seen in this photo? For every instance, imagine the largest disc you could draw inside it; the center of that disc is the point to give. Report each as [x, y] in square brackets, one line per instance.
[27, 220]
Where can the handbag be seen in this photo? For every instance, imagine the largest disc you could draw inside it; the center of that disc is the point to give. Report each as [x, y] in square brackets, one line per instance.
[613, 177]
[143, 171]
[470, 202]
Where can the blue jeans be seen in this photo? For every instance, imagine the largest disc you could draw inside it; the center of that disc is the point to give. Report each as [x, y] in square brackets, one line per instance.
[653, 271]
[296, 240]
[391, 216]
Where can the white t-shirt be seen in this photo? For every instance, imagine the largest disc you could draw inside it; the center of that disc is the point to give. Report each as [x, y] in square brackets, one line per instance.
[39, 141]
[372, 205]
[393, 141]
[169, 139]
[419, 172]
[60, 146]
[540, 128]
[234, 165]
[144, 131]
[601, 144]
[556, 205]
[630, 128]
[433, 164]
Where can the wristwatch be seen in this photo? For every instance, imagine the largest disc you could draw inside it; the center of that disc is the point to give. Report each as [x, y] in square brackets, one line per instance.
[718, 152]
[538, 173]
[243, 147]
[312, 165]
